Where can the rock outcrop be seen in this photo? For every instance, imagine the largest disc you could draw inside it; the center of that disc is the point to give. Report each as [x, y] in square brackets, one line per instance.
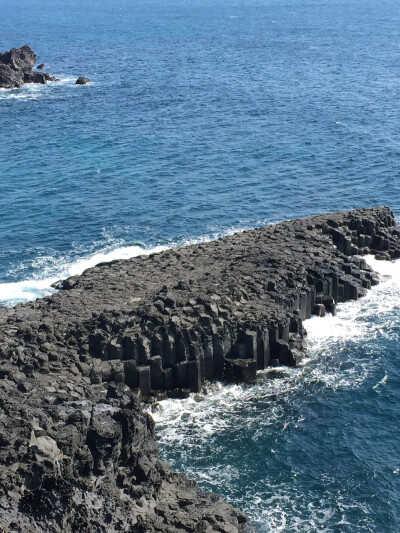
[16, 68]
[77, 452]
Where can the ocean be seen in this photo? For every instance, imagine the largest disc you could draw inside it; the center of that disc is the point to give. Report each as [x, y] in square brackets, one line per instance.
[205, 118]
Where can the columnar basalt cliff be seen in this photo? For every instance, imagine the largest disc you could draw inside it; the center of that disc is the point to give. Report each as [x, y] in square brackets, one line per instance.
[77, 453]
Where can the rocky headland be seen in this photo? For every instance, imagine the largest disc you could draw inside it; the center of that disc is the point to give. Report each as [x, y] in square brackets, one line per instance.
[77, 451]
[16, 69]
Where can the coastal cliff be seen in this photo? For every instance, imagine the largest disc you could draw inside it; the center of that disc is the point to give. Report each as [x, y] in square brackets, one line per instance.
[77, 452]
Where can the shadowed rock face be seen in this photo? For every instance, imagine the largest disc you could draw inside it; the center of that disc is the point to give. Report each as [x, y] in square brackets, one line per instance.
[74, 458]
[14, 64]
[16, 68]
[19, 59]
[77, 453]
[82, 81]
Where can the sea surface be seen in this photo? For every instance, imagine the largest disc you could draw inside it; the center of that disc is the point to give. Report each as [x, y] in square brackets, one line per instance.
[205, 118]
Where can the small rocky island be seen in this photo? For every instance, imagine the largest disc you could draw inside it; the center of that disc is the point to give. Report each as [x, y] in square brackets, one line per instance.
[16, 68]
[77, 451]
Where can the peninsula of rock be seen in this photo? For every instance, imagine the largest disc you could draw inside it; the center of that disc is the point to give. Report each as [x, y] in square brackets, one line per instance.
[77, 451]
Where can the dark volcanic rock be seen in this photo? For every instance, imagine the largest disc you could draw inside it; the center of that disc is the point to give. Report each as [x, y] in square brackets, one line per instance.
[19, 59]
[16, 69]
[41, 66]
[77, 452]
[38, 77]
[35, 77]
[9, 78]
[82, 81]
[76, 458]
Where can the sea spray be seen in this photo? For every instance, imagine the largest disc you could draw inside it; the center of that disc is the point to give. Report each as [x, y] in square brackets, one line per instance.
[286, 448]
[50, 269]
[30, 289]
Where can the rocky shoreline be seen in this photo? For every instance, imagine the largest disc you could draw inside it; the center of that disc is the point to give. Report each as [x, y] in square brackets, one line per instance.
[77, 452]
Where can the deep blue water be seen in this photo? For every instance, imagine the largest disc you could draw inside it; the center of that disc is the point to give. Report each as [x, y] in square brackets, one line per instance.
[206, 117]
[313, 449]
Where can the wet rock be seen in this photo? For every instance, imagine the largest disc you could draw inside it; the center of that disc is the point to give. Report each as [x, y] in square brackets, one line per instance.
[319, 310]
[38, 77]
[82, 81]
[35, 77]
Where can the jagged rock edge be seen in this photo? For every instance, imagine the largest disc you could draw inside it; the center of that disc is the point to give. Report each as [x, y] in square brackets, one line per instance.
[76, 448]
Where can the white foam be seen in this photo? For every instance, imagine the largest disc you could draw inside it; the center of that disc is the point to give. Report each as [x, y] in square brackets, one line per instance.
[352, 321]
[27, 92]
[32, 91]
[31, 289]
[355, 323]
[191, 424]
[64, 79]
[39, 285]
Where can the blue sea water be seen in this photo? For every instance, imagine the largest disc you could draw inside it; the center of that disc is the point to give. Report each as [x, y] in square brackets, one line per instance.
[204, 118]
[311, 449]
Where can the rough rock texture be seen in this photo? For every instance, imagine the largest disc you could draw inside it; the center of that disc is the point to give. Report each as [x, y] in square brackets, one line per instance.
[16, 68]
[77, 453]
[83, 459]
[19, 59]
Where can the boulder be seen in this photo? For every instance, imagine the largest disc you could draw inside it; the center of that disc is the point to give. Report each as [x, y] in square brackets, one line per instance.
[41, 66]
[82, 81]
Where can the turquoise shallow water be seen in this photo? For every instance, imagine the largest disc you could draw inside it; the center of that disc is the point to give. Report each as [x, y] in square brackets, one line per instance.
[205, 118]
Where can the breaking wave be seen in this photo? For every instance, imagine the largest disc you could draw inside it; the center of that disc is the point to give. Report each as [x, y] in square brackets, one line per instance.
[49, 269]
[286, 449]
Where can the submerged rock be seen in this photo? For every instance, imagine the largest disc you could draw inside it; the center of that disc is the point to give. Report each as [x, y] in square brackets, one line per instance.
[16, 68]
